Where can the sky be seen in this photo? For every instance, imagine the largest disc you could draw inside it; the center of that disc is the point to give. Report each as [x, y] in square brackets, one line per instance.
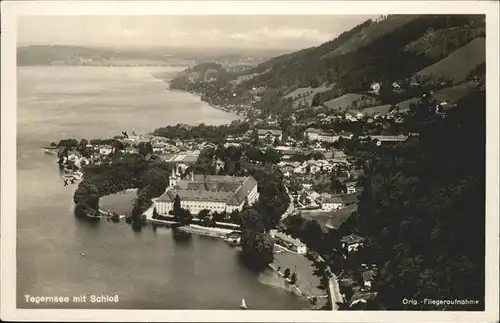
[277, 32]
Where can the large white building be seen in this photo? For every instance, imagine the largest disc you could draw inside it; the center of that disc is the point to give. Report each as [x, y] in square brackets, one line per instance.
[320, 135]
[210, 192]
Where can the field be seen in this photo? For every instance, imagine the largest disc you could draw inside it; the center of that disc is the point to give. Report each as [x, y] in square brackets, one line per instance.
[380, 109]
[121, 203]
[459, 63]
[350, 101]
[330, 219]
[306, 94]
[454, 93]
[405, 105]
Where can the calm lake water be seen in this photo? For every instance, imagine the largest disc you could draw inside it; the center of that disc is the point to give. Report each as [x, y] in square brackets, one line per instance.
[150, 269]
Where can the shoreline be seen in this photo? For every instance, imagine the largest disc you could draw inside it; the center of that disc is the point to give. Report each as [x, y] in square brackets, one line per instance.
[199, 95]
[295, 289]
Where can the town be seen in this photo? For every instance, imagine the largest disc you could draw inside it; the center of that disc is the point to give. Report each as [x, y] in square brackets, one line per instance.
[348, 165]
[321, 169]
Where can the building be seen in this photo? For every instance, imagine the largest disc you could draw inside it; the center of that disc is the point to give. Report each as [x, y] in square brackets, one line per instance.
[289, 242]
[159, 147]
[270, 134]
[105, 149]
[388, 139]
[208, 192]
[351, 242]
[331, 203]
[320, 135]
[351, 188]
[345, 134]
[375, 87]
[367, 276]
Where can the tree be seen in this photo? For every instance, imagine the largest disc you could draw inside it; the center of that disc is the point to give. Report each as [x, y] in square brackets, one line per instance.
[314, 83]
[287, 273]
[293, 278]
[203, 214]
[257, 244]
[82, 145]
[272, 156]
[313, 234]
[177, 205]
[145, 148]
[155, 214]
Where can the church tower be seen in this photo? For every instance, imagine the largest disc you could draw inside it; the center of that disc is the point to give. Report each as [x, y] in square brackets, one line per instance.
[172, 179]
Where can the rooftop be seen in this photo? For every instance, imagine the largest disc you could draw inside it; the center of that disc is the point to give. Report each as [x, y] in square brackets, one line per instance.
[227, 189]
[274, 132]
[352, 238]
[288, 239]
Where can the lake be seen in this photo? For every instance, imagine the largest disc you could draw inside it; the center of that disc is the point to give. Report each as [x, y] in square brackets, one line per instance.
[151, 269]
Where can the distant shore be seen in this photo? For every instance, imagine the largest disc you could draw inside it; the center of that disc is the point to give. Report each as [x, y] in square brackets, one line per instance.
[167, 81]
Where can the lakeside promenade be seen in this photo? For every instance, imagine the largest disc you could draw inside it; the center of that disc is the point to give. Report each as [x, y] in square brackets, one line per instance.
[191, 228]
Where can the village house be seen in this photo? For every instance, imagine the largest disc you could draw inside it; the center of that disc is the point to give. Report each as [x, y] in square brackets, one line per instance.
[74, 156]
[105, 149]
[307, 184]
[288, 242]
[375, 87]
[351, 243]
[367, 277]
[388, 139]
[130, 150]
[270, 134]
[350, 117]
[331, 202]
[158, 147]
[320, 135]
[351, 188]
[219, 164]
[346, 134]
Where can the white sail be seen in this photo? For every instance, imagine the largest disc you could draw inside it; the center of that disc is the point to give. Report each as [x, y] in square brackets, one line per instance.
[243, 304]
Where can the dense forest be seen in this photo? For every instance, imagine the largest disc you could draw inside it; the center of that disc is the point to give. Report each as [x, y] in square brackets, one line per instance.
[385, 57]
[423, 210]
[132, 171]
[203, 131]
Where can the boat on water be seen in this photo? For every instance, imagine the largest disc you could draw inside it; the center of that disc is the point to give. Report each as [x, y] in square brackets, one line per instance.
[243, 305]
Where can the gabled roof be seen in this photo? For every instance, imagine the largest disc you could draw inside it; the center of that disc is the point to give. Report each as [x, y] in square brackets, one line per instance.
[345, 133]
[352, 238]
[274, 132]
[226, 189]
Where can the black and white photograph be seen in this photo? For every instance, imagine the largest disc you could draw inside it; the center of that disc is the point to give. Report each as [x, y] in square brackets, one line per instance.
[310, 166]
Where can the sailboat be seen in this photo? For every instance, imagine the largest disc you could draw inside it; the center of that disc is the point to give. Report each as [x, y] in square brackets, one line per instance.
[243, 305]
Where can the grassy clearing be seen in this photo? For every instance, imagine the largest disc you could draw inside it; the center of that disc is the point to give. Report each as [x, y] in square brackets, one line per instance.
[350, 101]
[121, 203]
[454, 93]
[331, 218]
[459, 63]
